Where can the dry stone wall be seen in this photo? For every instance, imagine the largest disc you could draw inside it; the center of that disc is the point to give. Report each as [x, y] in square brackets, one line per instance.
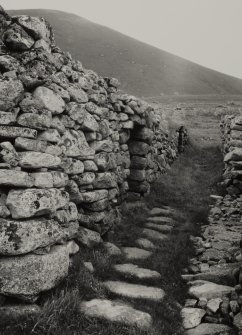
[72, 148]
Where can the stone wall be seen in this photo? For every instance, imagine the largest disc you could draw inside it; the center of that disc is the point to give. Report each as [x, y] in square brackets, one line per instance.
[72, 148]
[231, 127]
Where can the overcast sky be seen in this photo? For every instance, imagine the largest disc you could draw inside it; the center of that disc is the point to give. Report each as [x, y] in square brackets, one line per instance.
[208, 32]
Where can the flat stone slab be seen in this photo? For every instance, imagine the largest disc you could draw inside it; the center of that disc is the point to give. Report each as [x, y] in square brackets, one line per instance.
[205, 289]
[115, 311]
[154, 235]
[161, 211]
[132, 270]
[192, 317]
[135, 291]
[145, 243]
[132, 253]
[210, 329]
[161, 220]
[165, 229]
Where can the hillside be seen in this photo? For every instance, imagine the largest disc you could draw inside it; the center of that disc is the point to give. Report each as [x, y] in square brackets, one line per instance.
[142, 69]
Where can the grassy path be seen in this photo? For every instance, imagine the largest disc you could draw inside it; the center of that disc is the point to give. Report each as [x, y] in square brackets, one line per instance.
[186, 188]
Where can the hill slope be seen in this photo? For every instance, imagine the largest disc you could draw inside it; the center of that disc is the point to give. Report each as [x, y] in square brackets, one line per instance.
[142, 69]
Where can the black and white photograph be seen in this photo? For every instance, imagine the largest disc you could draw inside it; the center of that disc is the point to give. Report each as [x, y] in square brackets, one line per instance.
[121, 167]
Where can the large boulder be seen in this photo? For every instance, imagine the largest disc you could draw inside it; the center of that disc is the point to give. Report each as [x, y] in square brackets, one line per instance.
[21, 237]
[35, 202]
[24, 277]
[16, 38]
[36, 27]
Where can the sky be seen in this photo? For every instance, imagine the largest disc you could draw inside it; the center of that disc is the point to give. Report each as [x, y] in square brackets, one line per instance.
[208, 32]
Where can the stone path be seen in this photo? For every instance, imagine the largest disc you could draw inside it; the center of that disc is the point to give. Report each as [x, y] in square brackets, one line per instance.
[159, 224]
[214, 275]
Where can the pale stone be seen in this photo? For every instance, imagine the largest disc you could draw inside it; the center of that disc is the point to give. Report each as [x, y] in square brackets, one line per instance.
[50, 100]
[72, 166]
[161, 228]
[192, 317]
[205, 289]
[132, 253]
[36, 26]
[112, 249]
[29, 144]
[16, 38]
[35, 202]
[42, 179]
[89, 123]
[234, 155]
[238, 321]
[50, 135]
[7, 118]
[21, 237]
[76, 145]
[60, 179]
[35, 121]
[105, 180]
[89, 266]
[213, 304]
[88, 237]
[135, 291]
[134, 271]
[161, 220]
[13, 132]
[36, 160]
[154, 235]
[77, 94]
[161, 211]
[26, 276]
[145, 244]
[16, 178]
[116, 311]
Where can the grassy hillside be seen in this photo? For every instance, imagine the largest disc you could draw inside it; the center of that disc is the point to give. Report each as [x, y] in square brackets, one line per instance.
[142, 69]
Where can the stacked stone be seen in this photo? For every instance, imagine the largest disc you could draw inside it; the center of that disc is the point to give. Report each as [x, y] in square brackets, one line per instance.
[72, 146]
[215, 274]
[231, 127]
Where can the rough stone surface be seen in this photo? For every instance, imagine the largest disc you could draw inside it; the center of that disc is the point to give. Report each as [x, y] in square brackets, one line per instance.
[26, 276]
[35, 202]
[154, 235]
[131, 270]
[115, 311]
[192, 317]
[132, 253]
[88, 237]
[145, 244]
[29, 235]
[205, 289]
[50, 100]
[135, 291]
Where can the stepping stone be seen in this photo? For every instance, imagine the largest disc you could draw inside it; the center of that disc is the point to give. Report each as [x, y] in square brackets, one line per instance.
[132, 253]
[131, 270]
[160, 212]
[192, 317]
[161, 228]
[112, 249]
[161, 220]
[205, 289]
[210, 329]
[135, 291]
[145, 243]
[154, 235]
[116, 311]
